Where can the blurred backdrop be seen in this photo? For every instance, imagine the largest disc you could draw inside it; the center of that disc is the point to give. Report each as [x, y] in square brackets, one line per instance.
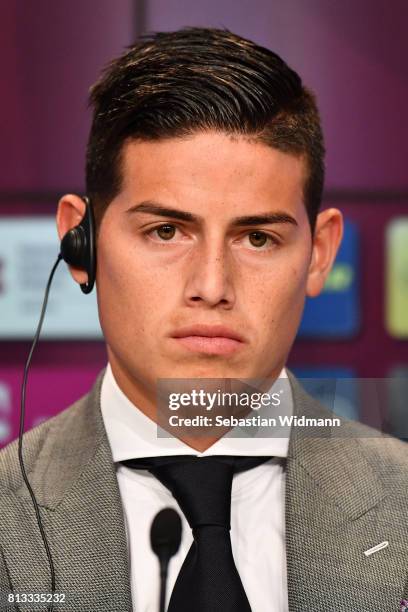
[354, 55]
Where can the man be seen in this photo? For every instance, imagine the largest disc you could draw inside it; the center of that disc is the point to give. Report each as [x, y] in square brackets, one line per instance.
[205, 172]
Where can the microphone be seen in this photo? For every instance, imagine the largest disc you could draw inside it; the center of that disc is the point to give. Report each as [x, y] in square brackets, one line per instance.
[165, 538]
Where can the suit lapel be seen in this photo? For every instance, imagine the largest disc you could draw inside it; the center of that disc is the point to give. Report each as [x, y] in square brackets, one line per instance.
[336, 509]
[76, 487]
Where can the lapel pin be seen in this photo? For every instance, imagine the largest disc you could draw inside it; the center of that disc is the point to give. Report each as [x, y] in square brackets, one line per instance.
[375, 549]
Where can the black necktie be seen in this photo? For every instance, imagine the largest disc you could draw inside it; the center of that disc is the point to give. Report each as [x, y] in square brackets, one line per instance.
[208, 580]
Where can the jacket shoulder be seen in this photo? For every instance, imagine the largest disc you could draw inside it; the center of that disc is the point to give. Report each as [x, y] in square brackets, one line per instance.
[381, 447]
[387, 456]
[33, 443]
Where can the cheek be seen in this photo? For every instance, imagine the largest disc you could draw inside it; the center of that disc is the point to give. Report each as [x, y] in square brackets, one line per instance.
[277, 296]
[130, 292]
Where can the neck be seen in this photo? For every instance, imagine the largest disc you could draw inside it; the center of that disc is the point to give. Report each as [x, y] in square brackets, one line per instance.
[144, 398]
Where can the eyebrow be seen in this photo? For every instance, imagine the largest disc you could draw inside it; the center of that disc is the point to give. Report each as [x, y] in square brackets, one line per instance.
[154, 208]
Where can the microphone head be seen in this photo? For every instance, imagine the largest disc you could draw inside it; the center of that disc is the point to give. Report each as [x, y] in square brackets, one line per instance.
[165, 533]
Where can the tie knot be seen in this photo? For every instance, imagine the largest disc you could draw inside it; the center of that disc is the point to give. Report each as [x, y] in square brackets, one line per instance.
[201, 485]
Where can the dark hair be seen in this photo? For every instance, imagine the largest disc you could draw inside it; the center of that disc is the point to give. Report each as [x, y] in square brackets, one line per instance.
[172, 84]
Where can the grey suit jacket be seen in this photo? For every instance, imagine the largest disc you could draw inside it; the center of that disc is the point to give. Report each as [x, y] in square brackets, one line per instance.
[343, 496]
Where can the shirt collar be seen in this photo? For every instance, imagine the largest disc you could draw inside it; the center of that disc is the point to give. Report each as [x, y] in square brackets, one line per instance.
[132, 434]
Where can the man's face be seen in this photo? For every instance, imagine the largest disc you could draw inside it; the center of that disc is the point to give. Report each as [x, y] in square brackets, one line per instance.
[158, 274]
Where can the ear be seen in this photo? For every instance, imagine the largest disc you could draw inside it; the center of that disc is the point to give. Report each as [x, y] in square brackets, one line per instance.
[326, 241]
[71, 209]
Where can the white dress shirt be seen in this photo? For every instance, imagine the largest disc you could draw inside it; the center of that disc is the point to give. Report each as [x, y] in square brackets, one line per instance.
[257, 505]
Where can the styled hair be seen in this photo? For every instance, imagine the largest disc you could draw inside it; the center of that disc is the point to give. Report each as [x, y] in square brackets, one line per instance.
[174, 84]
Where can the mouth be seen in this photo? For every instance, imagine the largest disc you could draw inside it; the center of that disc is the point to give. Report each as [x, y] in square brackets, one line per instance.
[209, 339]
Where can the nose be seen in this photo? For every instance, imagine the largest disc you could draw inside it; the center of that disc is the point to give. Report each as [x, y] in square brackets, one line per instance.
[210, 272]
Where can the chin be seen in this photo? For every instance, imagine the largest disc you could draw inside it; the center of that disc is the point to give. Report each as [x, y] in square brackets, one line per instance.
[209, 370]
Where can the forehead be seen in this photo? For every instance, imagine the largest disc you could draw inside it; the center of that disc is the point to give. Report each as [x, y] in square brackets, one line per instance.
[212, 169]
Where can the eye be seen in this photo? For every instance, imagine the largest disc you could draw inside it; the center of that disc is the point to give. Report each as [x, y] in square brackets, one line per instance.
[260, 239]
[165, 232]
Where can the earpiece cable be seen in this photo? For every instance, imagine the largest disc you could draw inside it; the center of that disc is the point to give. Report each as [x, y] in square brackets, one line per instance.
[20, 437]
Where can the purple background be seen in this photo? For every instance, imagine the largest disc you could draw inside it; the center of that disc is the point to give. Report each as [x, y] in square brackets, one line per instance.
[354, 56]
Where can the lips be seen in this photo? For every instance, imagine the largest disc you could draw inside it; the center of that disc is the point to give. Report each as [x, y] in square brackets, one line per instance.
[208, 331]
[209, 339]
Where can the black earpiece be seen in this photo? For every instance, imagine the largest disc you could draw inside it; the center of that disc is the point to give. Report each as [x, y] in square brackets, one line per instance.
[78, 247]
